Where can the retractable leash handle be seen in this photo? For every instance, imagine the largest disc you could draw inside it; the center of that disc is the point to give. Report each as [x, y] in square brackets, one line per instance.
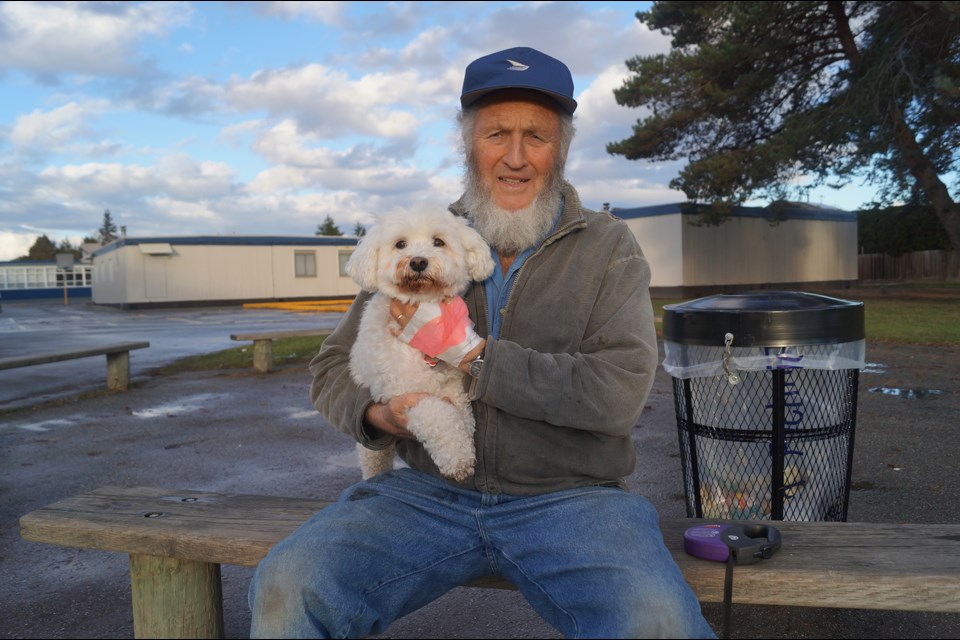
[744, 543]
[752, 542]
[733, 544]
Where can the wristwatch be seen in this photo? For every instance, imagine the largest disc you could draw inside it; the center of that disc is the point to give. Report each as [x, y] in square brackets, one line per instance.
[476, 366]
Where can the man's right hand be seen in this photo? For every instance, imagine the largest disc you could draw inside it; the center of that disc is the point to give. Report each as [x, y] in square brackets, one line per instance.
[391, 418]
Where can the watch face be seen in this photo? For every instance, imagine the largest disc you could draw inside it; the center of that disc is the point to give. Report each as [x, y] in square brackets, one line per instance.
[475, 367]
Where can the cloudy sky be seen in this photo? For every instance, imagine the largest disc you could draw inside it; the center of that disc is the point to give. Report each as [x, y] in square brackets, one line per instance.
[252, 118]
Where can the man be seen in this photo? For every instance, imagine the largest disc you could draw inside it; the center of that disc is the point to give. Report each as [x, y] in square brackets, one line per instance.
[558, 383]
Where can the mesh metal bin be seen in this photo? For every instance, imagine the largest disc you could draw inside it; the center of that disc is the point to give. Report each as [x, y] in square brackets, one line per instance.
[765, 389]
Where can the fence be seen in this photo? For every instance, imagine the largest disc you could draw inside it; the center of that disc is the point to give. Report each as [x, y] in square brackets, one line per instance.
[918, 265]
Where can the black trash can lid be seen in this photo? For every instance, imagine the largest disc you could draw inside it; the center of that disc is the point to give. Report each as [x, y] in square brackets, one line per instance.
[764, 319]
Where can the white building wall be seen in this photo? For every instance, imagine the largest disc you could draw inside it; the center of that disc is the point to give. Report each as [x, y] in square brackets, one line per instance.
[749, 250]
[138, 273]
[109, 278]
[811, 245]
[327, 282]
[661, 239]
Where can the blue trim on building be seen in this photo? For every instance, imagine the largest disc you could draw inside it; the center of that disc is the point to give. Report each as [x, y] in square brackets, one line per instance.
[11, 295]
[225, 241]
[797, 212]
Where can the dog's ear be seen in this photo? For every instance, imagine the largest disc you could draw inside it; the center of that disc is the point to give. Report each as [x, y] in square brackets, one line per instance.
[362, 265]
[479, 263]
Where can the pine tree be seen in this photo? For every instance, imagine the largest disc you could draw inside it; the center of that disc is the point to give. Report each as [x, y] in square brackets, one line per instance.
[108, 230]
[754, 95]
[328, 228]
[43, 248]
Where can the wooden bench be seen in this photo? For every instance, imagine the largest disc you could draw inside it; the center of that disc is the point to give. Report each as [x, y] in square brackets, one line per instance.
[263, 344]
[178, 539]
[118, 360]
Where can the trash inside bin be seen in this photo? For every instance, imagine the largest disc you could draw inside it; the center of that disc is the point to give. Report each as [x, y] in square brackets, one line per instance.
[765, 390]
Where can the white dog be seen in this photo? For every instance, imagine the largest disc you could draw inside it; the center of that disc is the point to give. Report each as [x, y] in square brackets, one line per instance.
[419, 257]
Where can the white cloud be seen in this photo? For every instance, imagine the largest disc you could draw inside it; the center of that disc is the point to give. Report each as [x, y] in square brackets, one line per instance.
[176, 175]
[96, 38]
[50, 130]
[324, 12]
[328, 102]
[14, 244]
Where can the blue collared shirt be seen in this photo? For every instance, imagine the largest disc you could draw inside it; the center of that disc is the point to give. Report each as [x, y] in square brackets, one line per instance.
[499, 284]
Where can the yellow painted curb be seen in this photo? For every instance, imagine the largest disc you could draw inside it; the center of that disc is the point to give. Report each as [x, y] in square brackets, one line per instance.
[304, 306]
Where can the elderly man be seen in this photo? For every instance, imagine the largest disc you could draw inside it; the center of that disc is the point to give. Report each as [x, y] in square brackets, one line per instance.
[558, 382]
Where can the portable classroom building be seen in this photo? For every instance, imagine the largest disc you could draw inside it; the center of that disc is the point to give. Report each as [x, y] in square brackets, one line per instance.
[171, 271]
[808, 245]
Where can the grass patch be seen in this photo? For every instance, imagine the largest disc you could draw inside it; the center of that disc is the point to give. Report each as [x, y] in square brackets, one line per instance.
[285, 351]
[892, 317]
[888, 318]
[927, 322]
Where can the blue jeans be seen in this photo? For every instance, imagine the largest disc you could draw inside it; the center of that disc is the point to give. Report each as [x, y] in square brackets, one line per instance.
[590, 561]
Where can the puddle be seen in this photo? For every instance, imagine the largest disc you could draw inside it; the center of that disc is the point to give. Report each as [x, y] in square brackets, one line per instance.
[192, 403]
[874, 367]
[45, 425]
[347, 460]
[911, 394]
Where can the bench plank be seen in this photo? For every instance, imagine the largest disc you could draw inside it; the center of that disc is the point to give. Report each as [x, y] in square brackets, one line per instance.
[908, 567]
[46, 357]
[118, 360]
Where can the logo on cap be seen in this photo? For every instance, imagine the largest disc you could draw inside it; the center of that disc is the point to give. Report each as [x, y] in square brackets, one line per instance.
[517, 66]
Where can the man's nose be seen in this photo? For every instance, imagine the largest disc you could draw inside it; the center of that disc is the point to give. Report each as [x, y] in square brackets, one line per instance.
[515, 157]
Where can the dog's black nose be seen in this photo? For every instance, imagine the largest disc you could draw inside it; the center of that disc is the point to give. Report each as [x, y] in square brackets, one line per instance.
[419, 264]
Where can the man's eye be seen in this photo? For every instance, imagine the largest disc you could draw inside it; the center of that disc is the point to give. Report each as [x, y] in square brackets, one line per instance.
[438, 242]
[401, 244]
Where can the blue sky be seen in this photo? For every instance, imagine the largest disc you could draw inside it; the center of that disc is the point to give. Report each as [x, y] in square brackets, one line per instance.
[252, 118]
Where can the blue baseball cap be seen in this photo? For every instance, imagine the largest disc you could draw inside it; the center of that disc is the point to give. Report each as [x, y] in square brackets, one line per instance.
[518, 68]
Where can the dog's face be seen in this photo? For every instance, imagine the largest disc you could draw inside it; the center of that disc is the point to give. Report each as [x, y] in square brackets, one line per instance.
[420, 255]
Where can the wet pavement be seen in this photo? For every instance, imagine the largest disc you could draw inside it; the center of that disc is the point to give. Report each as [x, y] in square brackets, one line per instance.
[50, 325]
[236, 431]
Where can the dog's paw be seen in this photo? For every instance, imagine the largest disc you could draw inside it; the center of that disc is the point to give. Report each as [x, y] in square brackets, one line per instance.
[460, 470]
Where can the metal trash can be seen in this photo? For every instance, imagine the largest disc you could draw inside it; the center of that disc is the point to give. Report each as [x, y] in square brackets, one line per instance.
[765, 389]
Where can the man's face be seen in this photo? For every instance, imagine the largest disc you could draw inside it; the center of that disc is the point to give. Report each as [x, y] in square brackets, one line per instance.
[516, 146]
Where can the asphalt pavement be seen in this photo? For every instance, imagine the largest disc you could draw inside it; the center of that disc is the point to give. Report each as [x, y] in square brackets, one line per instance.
[236, 431]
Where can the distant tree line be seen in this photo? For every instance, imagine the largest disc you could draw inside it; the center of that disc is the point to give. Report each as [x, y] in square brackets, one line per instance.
[330, 228]
[45, 250]
[899, 230]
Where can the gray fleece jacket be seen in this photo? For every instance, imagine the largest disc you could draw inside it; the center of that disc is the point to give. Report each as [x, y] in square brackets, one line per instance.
[565, 382]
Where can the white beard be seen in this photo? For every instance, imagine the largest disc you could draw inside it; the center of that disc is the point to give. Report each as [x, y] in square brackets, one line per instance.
[510, 232]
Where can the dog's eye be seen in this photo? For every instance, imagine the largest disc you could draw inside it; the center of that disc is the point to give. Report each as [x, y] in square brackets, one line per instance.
[438, 242]
[401, 244]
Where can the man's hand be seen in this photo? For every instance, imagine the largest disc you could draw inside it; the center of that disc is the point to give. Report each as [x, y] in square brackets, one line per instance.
[401, 312]
[391, 418]
[441, 330]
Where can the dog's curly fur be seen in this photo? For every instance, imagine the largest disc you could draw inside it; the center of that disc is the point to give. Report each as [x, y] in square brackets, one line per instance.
[418, 256]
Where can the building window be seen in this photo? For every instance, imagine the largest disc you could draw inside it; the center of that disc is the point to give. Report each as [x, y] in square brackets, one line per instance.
[305, 264]
[344, 256]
